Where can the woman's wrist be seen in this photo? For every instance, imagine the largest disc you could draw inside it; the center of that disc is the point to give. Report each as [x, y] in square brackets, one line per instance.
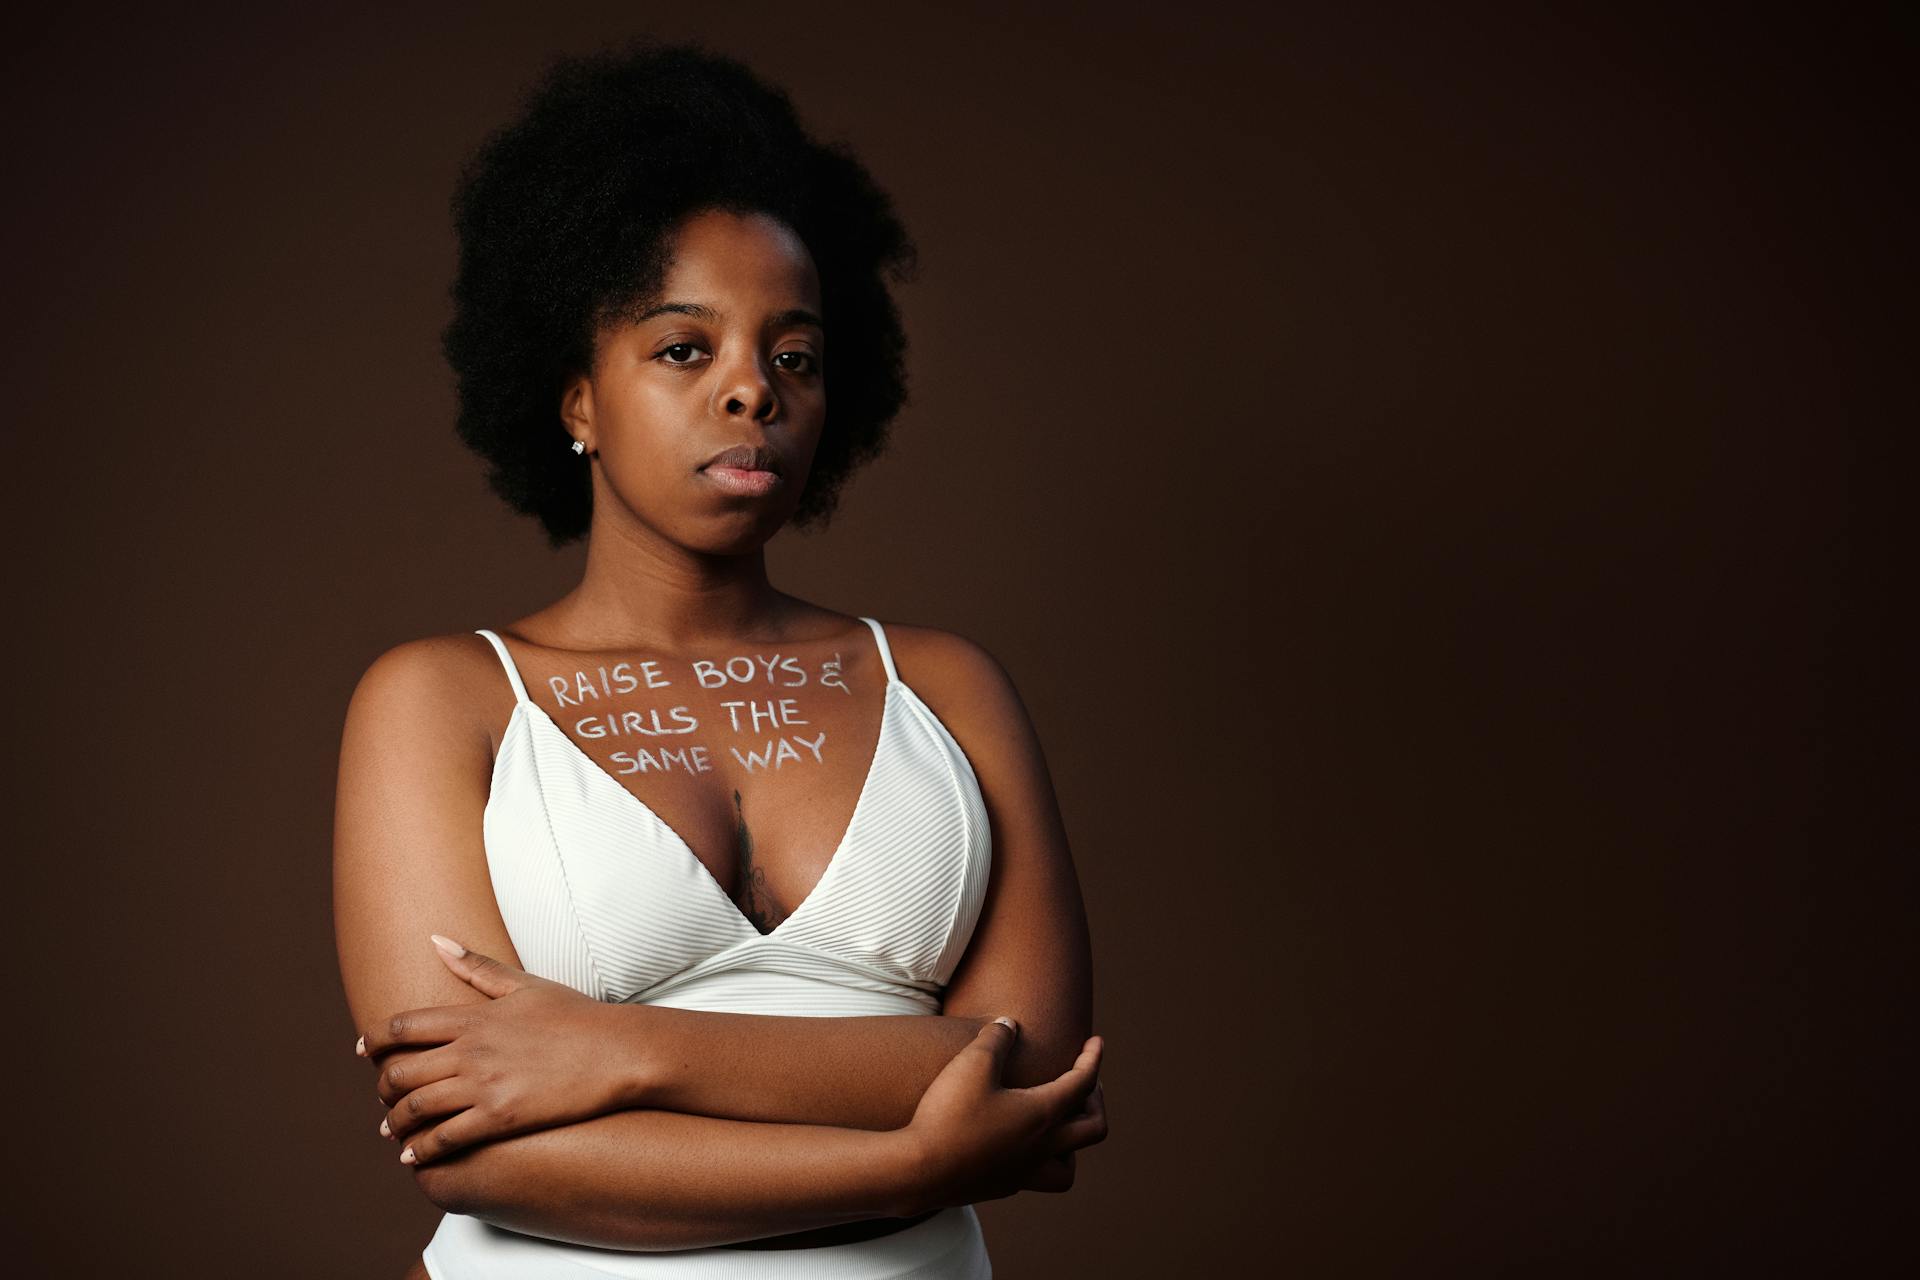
[643, 1038]
[915, 1171]
[900, 1172]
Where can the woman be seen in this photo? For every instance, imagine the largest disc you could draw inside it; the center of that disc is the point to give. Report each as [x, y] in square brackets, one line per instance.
[677, 915]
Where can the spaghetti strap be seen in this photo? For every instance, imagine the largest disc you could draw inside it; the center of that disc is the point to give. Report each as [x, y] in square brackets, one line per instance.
[506, 660]
[886, 654]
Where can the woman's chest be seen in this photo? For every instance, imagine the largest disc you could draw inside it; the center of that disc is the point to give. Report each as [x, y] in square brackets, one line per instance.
[599, 891]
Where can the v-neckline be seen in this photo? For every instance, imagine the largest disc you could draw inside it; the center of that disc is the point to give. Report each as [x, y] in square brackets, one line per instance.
[737, 916]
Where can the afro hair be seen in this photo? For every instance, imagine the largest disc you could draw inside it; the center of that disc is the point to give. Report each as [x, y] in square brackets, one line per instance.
[564, 219]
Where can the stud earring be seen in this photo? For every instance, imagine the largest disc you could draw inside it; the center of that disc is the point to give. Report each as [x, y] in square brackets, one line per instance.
[579, 446]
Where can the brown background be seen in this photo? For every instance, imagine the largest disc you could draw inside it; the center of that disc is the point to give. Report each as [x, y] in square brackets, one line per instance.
[1408, 462]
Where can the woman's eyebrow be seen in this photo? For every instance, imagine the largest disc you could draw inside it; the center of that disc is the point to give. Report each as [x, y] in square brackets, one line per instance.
[701, 311]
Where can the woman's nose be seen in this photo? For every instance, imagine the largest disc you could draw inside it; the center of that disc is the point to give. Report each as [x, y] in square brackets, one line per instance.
[747, 390]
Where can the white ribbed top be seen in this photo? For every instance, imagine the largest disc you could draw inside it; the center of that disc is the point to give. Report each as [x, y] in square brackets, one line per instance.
[598, 892]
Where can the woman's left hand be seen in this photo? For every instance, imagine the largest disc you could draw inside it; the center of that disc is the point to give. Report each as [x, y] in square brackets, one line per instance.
[536, 1055]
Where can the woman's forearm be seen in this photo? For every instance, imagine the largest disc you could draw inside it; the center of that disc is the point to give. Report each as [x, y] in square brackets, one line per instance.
[651, 1180]
[854, 1072]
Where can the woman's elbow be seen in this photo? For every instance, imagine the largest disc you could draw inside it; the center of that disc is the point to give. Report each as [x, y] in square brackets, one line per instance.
[469, 1182]
[445, 1185]
[457, 1187]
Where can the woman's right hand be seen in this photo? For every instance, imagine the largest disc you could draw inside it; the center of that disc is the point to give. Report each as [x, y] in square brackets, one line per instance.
[976, 1140]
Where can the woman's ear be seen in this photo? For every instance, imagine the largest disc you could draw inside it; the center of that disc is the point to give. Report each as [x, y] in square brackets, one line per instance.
[576, 410]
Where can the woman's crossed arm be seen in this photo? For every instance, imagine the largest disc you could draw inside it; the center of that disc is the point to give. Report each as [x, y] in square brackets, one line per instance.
[408, 860]
[1030, 957]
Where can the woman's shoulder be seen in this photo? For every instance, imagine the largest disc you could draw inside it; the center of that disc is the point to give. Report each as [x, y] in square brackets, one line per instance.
[453, 662]
[936, 657]
[432, 684]
[959, 677]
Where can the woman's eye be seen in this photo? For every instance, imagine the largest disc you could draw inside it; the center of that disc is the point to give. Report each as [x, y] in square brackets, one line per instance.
[681, 353]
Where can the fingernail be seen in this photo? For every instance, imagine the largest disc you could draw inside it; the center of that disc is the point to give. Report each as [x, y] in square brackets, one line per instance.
[406, 1157]
[360, 1046]
[1010, 1023]
[384, 1131]
[448, 945]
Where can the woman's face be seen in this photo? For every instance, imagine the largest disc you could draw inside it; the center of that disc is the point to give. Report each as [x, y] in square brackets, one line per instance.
[730, 357]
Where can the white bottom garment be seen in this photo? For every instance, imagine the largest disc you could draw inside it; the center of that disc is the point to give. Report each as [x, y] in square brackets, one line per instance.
[947, 1246]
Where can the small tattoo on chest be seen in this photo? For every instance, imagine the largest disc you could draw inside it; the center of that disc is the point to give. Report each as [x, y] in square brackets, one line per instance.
[757, 902]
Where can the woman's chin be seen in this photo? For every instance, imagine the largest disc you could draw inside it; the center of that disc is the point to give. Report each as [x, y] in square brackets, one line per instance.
[735, 533]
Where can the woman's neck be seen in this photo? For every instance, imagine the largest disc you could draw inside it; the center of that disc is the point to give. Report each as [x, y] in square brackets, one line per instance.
[664, 598]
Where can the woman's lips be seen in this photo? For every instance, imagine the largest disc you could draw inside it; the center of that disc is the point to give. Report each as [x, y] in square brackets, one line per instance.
[742, 481]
